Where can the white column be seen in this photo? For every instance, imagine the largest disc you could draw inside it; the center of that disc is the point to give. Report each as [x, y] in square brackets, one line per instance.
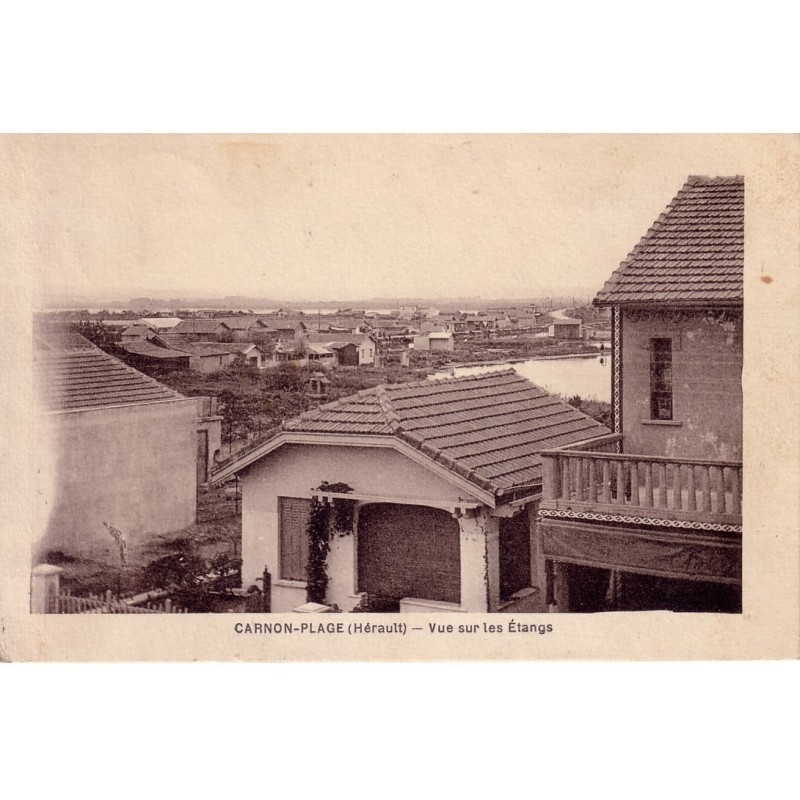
[480, 561]
[45, 584]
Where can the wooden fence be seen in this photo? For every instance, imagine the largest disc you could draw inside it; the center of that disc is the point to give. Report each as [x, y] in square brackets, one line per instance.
[65, 603]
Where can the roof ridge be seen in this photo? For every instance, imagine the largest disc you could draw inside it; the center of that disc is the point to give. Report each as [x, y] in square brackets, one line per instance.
[450, 379]
[389, 412]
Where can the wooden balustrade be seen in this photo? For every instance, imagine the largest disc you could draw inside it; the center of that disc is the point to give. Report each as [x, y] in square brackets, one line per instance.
[643, 486]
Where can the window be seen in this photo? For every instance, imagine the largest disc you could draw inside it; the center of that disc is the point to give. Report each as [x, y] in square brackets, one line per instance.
[661, 379]
[293, 520]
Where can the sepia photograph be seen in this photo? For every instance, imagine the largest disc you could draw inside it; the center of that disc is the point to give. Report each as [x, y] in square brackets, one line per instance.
[409, 376]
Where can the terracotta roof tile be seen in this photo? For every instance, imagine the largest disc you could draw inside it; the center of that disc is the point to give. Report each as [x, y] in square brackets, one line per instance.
[488, 428]
[693, 252]
[70, 378]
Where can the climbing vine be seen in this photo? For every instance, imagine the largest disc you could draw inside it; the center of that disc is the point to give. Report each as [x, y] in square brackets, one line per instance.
[319, 544]
[318, 548]
[343, 510]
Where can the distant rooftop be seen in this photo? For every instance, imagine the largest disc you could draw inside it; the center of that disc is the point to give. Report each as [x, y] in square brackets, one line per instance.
[200, 326]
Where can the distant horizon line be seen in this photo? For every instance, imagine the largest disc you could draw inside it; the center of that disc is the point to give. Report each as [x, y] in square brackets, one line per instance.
[239, 301]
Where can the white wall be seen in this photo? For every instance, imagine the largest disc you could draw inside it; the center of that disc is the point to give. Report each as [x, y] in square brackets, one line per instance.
[134, 467]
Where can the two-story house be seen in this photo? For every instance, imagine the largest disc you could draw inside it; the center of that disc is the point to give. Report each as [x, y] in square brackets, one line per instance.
[650, 517]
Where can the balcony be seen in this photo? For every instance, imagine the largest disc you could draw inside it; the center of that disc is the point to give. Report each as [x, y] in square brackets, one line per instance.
[593, 483]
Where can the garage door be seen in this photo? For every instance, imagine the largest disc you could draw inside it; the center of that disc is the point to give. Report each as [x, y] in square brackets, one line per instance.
[409, 551]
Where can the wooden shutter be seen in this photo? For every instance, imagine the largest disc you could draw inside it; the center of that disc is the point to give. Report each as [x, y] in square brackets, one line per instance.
[294, 513]
[409, 551]
[515, 554]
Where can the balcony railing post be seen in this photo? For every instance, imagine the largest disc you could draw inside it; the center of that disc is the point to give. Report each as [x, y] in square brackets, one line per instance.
[691, 490]
[635, 483]
[620, 483]
[605, 489]
[705, 490]
[736, 503]
[662, 485]
[648, 485]
[550, 478]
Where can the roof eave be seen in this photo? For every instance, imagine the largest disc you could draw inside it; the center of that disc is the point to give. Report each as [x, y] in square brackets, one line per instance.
[486, 496]
[601, 303]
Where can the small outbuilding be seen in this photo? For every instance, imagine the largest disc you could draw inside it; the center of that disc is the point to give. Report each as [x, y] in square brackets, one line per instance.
[432, 489]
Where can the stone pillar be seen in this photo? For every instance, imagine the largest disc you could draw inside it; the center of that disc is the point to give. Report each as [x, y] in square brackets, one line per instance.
[538, 566]
[480, 560]
[45, 584]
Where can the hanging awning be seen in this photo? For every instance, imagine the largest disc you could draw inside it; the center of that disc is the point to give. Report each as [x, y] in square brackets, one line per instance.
[684, 555]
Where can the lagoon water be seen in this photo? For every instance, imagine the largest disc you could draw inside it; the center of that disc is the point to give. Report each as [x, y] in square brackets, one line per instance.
[587, 376]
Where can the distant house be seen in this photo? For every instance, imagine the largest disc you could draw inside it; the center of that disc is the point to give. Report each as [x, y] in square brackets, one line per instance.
[346, 353]
[118, 447]
[366, 346]
[285, 353]
[565, 329]
[254, 355]
[203, 356]
[435, 341]
[150, 357]
[319, 355]
[250, 329]
[203, 329]
[384, 328]
[288, 328]
[137, 332]
[455, 322]
[444, 477]
[431, 325]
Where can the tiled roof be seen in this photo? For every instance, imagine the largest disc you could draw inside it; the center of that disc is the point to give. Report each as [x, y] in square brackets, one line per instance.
[283, 323]
[338, 338]
[62, 340]
[176, 341]
[242, 323]
[488, 428]
[200, 326]
[693, 252]
[162, 323]
[150, 350]
[138, 330]
[319, 349]
[77, 378]
[227, 347]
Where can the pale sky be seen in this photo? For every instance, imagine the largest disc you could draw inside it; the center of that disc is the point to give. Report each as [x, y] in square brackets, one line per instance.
[347, 217]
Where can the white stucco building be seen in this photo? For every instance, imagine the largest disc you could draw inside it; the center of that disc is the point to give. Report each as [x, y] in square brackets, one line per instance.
[442, 479]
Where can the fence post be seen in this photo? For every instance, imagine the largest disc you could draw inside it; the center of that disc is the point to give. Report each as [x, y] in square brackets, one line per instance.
[45, 585]
[266, 596]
